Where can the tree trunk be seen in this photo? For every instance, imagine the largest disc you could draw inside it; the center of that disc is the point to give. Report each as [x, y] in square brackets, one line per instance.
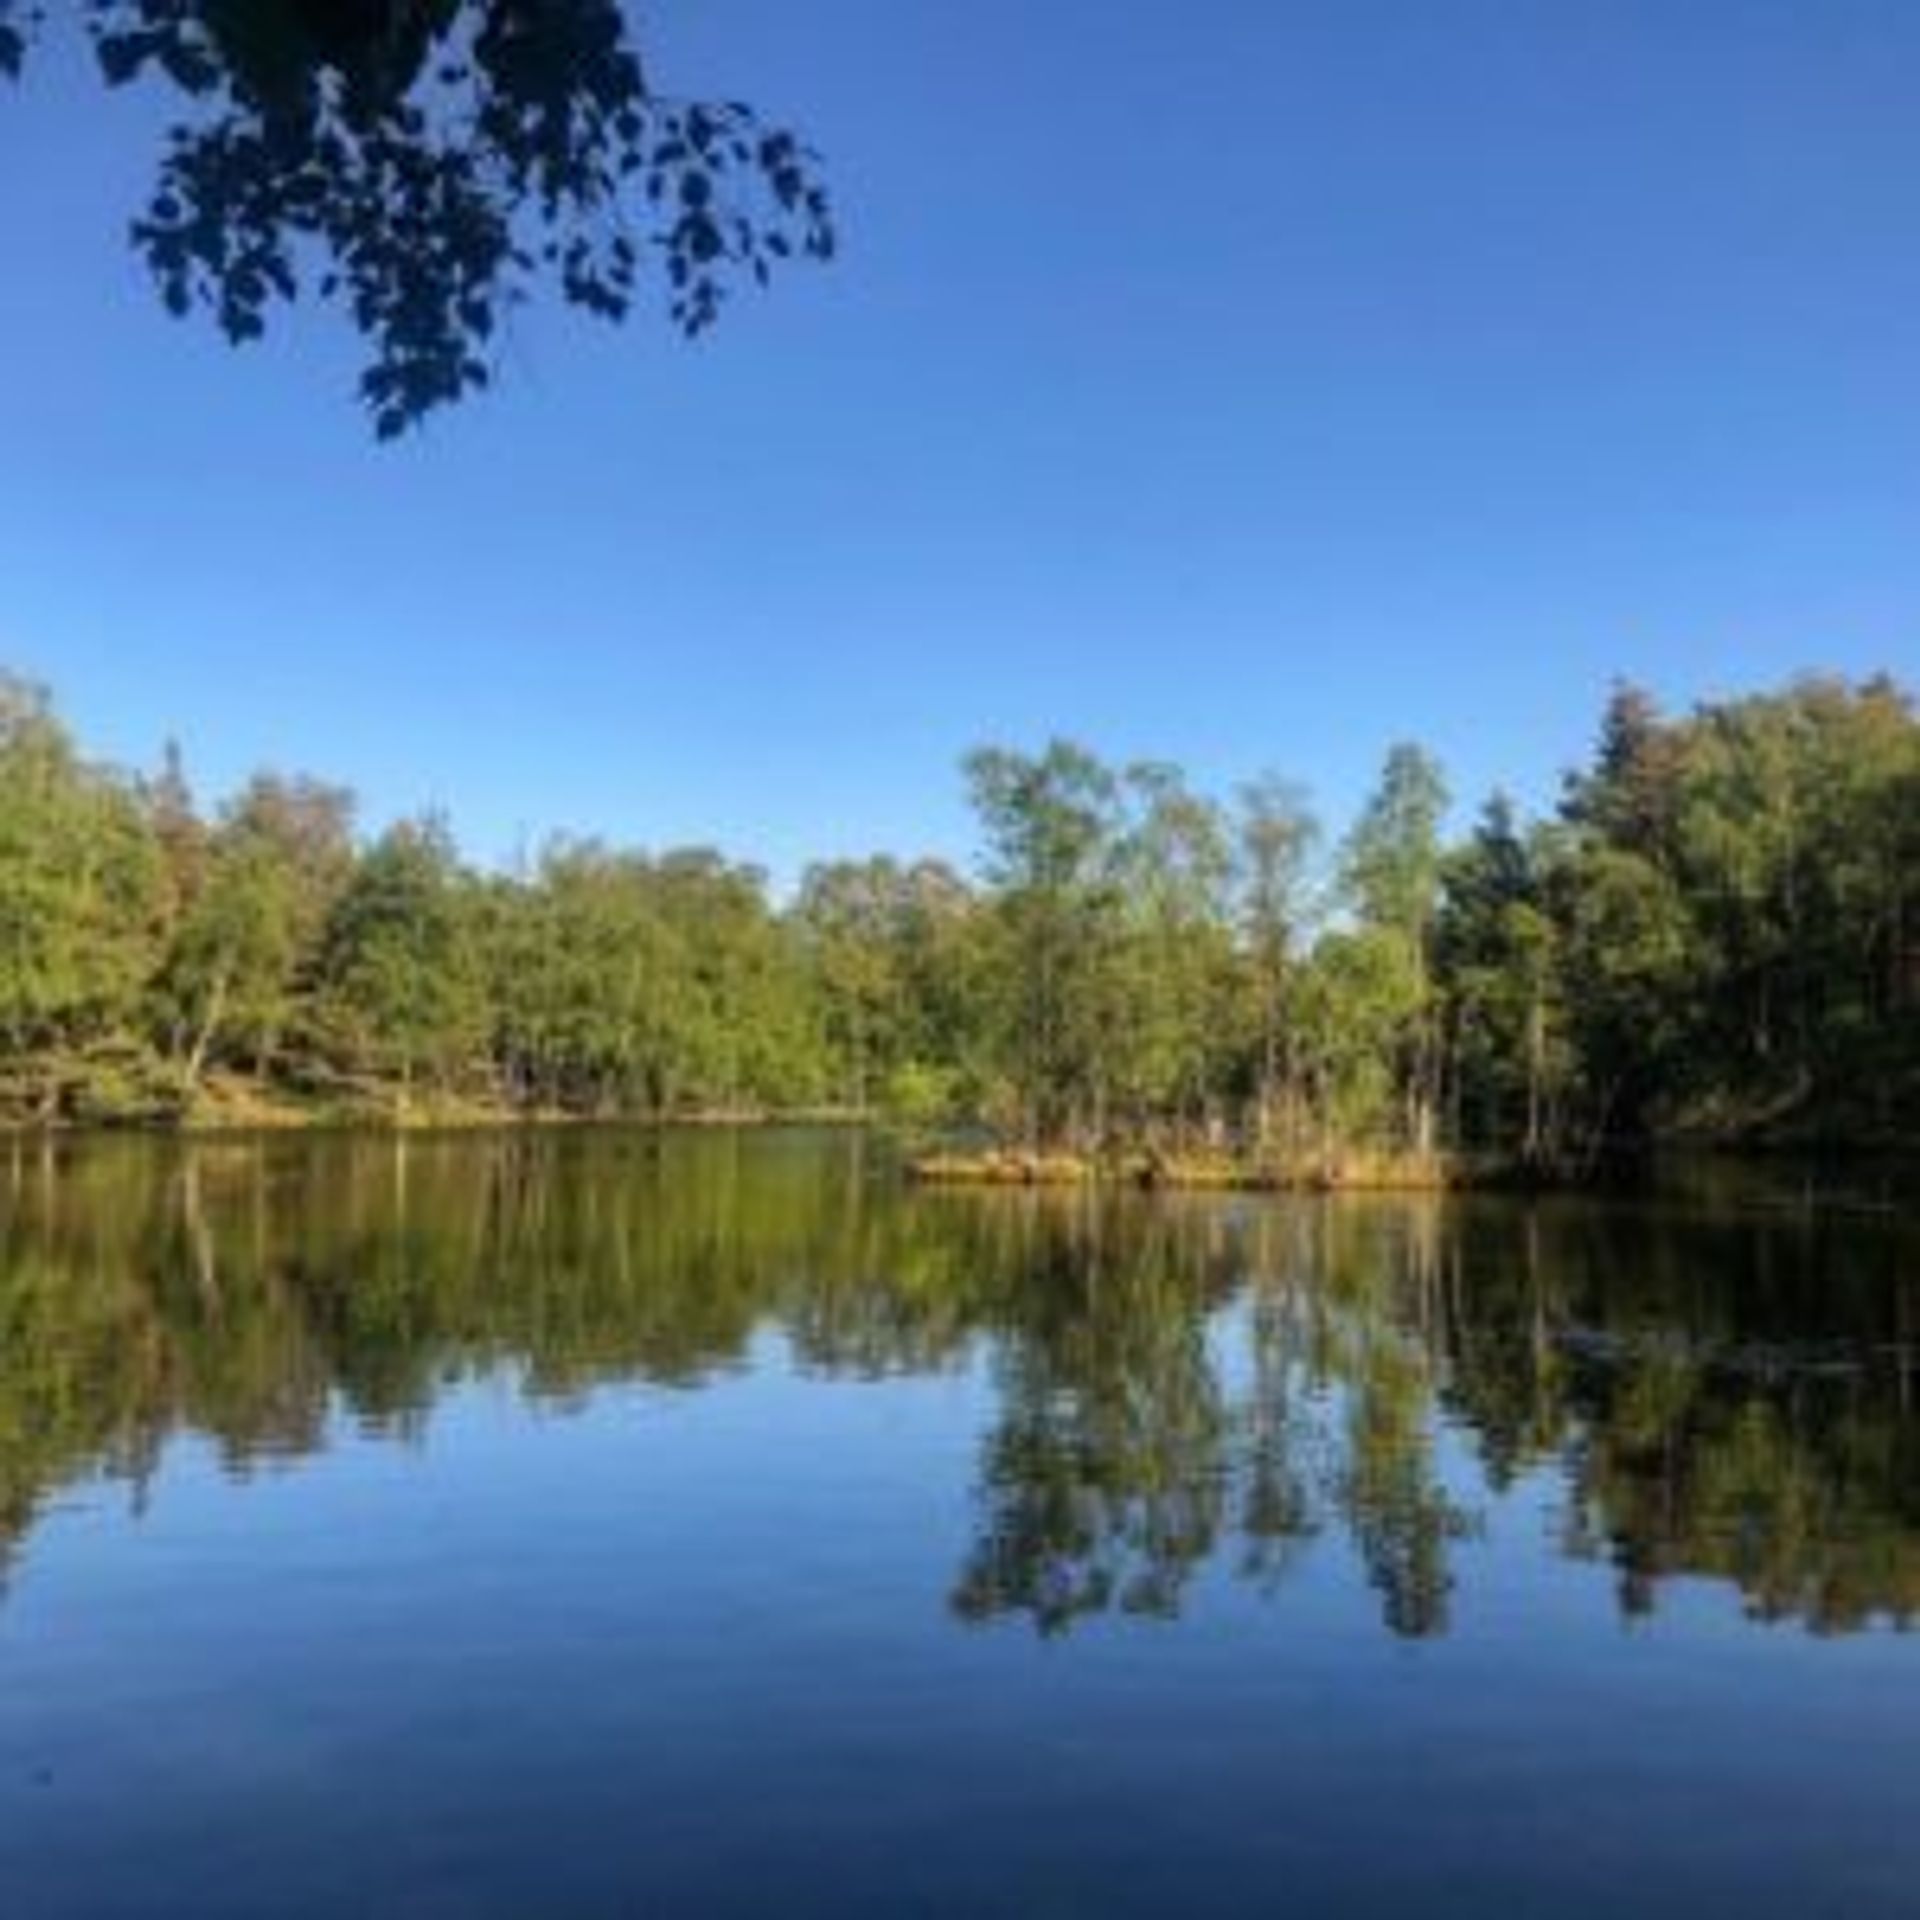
[209, 1025]
[1536, 1050]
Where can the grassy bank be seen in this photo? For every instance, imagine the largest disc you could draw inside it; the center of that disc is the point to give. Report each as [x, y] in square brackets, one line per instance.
[1355, 1171]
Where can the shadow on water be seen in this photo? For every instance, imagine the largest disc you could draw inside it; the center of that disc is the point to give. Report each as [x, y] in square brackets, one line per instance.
[1719, 1386]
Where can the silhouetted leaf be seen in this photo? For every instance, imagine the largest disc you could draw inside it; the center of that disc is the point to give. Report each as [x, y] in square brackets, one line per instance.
[437, 161]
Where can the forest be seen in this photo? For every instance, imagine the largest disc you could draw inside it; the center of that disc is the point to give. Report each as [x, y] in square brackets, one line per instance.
[1714, 932]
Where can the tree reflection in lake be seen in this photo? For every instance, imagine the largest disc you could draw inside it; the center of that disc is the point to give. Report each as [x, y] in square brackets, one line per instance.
[1132, 1448]
[1178, 1385]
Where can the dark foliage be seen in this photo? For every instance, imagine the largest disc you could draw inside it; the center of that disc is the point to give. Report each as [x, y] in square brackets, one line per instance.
[427, 163]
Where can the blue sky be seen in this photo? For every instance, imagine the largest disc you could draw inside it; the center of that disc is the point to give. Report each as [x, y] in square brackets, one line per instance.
[1247, 384]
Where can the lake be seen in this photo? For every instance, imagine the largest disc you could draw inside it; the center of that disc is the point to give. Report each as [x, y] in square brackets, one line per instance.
[615, 1522]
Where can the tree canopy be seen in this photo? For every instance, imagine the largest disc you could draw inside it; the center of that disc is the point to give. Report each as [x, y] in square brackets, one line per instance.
[1716, 930]
[425, 164]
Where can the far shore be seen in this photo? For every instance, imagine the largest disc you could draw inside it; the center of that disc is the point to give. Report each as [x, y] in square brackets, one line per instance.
[1351, 1171]
[251, 1112]
[953, 1157]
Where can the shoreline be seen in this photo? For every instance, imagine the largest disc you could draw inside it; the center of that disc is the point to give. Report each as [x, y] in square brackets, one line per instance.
[374, 1120]
[1349, 1172]
[1352, 1170]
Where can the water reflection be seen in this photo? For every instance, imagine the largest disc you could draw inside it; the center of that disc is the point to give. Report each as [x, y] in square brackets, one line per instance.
[1176, 1386]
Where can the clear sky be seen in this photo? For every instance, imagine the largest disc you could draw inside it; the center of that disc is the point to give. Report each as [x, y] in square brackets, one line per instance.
[1245, 383]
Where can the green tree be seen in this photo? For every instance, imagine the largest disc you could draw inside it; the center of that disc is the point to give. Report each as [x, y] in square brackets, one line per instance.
[234, 953]
[263, 879]
[853, 917]
[400, 976]
[1355, 1000]
[1276, 839]
[1170, 1039]
[1052, 823]
[1498, 955]
[1630, 969]
[940, 960]
[1628, 797]
[1391, 871]
[1739, 898]
[752, 1036]
[82, 892]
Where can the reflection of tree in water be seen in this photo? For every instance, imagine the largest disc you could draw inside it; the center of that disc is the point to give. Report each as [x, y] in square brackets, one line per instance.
[1281, 1444]
[1102, 1483]
[255, 1292]
[1731, 1399]
[1123, 1461]
[1181, 1383]
[1789, 1479]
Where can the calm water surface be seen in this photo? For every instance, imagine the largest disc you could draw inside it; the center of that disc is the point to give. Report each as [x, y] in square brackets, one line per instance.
[621, 1524]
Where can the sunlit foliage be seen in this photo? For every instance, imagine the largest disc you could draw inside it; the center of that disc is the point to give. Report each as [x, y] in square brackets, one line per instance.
[1718, 931]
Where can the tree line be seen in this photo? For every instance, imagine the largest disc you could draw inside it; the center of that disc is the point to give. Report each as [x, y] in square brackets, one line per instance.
[1717, 928]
